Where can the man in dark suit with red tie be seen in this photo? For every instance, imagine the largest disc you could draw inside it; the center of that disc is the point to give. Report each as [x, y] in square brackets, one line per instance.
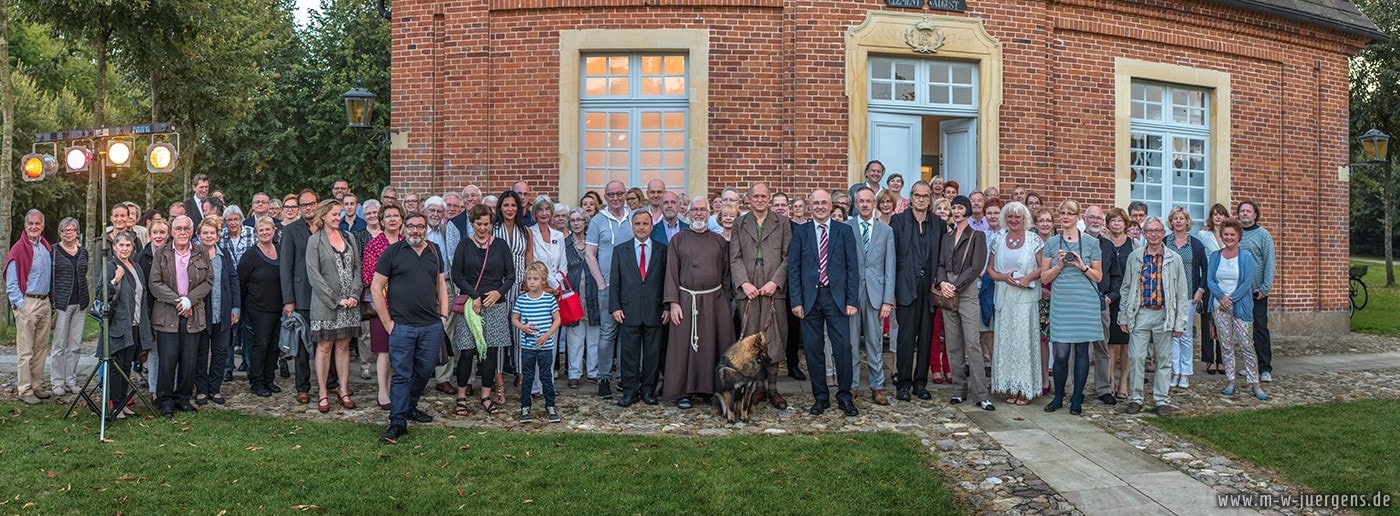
[634, 301]
[823, 285]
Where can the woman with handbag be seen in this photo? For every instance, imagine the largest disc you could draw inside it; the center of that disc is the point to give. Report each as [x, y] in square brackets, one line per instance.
[130, 324]
[390, 218]
[578, 335]
[960, 266]
[333, 269]
[549, 249]
[484, 272]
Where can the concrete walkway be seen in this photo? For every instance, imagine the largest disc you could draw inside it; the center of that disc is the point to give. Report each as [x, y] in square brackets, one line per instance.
[1095, 471]
[1101, 474]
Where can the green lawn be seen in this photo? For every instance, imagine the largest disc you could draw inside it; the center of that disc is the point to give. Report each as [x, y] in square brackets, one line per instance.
[7, 334]
[1339, 448]
[1379, 315]
[221, 460]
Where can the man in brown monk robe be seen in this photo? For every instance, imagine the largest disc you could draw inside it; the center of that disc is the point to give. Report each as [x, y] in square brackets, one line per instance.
[758, 260]
[697, 274]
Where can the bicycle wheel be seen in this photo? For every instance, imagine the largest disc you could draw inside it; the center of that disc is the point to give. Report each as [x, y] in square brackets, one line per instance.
[1359, 295]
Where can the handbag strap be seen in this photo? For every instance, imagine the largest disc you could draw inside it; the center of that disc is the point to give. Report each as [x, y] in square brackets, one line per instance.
[485, 257]
[564, 279]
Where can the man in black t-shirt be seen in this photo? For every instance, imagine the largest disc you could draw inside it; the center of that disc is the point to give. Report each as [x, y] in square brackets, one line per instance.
[415, 322]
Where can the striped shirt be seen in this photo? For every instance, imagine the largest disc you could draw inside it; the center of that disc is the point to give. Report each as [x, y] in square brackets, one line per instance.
[538, 311]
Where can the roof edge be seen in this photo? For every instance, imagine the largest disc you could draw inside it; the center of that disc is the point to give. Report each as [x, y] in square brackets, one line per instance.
[1371, 32]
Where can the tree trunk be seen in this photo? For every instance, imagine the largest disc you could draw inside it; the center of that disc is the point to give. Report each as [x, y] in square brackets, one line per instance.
[150, 178]
[7, 104]
[99, 119]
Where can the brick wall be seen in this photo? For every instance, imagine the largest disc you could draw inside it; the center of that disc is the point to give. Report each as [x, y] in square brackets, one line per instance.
[476, 85]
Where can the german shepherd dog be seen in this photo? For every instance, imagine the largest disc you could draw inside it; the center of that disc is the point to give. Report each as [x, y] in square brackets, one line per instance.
[737, 377]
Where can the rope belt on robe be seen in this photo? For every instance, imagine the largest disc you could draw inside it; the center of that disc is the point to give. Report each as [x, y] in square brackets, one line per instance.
[695, 314]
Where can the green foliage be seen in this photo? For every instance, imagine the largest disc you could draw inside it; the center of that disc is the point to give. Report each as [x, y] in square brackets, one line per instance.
[1339, 448]
[1375, 102]
[219, 460]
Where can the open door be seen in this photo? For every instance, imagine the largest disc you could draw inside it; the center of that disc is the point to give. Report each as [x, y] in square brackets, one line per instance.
[958, 145]
[896, 140]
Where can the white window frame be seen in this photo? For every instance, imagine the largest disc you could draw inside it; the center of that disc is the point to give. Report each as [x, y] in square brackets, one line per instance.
[1175, 179]
[635, 104]
[921, 81]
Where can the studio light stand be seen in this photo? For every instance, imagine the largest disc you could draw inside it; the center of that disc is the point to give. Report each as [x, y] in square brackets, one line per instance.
[114, 146]
[104, 404]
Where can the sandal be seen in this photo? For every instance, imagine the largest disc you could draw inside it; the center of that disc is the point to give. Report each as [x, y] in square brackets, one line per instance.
[323, 405]
[490, 406]
[346, 403]
[462, 409]
[1229, 389]
[1021, 401]
[1120, 396]
[1259, 393]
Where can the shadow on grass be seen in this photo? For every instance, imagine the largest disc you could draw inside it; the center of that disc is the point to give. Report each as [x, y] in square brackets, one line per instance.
[1338, 448]
[218, 460]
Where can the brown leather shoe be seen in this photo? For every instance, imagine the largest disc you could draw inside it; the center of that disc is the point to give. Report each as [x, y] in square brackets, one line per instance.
[1133, 408]
[1164, 410]
[445, 388]
[303, 397]
[879, 397]
[778, 401]
[760, 396]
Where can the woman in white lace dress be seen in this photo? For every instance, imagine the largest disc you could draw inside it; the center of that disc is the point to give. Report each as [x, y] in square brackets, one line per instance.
[1014, 267]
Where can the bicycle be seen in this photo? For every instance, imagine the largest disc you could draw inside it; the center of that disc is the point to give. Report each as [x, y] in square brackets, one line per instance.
[1357, 288]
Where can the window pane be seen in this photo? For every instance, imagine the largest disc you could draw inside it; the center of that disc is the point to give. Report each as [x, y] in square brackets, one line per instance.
[962, 74]
[940, 72]
[938, 94]
[675, 120]
[962, 96]
[675, 86]
[675, 65]
[651, 86]
[880, 68]
[595, 86]
[651, 139]
[651, 120]
[651, 159]
[618, 159]
[675, 160]
[617, 86]
[904, 71]
[675, 140]
[651, 65]
[617, 120]
[595, 65]
[905, 92]
[594, 139]
[881, 91]
[674, 178]
[595, 120]
[595, 176]
[593, 159]
[618, 65]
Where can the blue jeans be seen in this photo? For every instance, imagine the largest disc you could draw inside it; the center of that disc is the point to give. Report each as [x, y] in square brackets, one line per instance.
[413, 354]
[533, 363]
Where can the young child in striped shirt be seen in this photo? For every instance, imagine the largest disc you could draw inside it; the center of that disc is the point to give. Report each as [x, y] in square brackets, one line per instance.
[536, 315]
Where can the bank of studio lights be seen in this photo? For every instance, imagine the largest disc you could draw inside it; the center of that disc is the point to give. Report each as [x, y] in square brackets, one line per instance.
[160, 159]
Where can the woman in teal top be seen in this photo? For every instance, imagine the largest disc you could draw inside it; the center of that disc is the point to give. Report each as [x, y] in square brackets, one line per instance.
[1071, 262]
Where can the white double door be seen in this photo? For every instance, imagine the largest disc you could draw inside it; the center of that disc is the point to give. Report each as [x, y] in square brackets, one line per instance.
[896, 140]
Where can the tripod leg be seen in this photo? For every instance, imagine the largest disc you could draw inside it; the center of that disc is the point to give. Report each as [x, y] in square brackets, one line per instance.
[82, 394]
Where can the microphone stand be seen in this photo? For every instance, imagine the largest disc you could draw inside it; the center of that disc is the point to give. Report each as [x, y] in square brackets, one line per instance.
[104, 404]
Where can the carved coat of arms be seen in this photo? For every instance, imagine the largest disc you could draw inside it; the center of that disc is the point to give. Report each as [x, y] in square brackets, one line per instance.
[924, 37]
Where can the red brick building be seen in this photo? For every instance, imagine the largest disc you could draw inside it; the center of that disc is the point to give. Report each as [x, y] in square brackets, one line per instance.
[1188, 102]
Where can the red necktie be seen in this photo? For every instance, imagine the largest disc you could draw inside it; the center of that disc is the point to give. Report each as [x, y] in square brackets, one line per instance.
[642, 268]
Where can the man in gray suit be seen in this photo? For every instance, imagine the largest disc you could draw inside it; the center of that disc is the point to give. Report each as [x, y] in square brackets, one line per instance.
[875, 241]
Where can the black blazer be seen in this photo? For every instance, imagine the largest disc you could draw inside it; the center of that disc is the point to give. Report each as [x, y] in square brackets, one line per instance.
[230, 297]
[123, 303]
[910, 258]
[641, 305]
[291, 256]
[842, 265]
[193, 212]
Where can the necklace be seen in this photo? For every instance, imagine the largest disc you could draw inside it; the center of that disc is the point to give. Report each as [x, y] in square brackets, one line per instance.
[1015, 242]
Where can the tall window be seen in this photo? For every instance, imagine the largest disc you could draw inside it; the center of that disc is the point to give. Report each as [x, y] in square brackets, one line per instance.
[633, 111]
[1171, 136]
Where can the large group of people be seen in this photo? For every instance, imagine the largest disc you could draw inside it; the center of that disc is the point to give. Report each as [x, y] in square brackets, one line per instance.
[1003, 298]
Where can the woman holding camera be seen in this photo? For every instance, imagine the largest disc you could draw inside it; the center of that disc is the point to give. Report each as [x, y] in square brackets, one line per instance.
[1071, 261]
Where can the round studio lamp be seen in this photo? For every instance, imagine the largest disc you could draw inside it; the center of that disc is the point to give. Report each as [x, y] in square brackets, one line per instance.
[34, 167]
[78, 159]
[118, 153]
[161, 157]
[359, 107]
[1375, 145]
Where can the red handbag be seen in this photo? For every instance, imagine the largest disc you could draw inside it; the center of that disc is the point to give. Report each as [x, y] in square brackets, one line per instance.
[570, 306]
